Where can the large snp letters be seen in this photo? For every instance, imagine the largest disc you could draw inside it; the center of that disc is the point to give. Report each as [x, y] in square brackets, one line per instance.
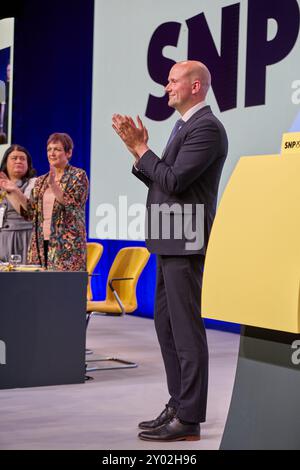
[260, 52]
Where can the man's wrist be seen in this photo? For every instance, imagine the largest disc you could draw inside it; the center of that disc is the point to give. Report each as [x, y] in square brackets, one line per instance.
[139, 150]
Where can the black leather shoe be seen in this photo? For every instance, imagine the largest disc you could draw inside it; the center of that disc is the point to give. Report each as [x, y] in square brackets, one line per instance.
[166, 415]
[174, 430]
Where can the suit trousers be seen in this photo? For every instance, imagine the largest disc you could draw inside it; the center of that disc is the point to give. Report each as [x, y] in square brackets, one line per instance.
[181, 333]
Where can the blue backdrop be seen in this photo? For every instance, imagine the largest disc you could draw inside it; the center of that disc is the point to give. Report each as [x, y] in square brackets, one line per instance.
[53, 57]
[4, 60]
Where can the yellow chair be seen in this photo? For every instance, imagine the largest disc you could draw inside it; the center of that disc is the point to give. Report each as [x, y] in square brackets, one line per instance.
[94, 253]
[120, 293]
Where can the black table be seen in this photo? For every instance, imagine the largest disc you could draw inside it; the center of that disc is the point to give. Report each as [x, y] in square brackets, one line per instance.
[42, 328]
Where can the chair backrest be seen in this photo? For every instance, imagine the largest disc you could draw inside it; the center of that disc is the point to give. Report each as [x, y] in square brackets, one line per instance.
[129, 262]
[94, 253]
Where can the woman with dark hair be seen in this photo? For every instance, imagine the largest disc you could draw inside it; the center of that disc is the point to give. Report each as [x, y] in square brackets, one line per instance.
[57, 210]
[16, 183]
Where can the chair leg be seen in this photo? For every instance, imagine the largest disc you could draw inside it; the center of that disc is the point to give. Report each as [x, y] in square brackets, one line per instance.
[122, 364]
[88, 317]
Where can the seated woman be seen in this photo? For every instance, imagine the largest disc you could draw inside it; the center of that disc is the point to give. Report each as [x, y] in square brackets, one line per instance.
[15, 172]
[57, 209]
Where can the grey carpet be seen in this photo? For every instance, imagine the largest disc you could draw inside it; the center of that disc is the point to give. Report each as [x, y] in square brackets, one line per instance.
[103, 413]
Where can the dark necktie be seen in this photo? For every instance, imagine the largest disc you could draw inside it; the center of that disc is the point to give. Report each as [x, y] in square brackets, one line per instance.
[178, 125]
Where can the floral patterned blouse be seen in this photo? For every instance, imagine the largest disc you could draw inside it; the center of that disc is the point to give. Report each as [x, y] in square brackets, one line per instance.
[67, 242]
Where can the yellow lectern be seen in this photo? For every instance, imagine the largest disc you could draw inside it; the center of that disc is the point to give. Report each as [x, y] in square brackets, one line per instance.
[252, 277]
[252, 270]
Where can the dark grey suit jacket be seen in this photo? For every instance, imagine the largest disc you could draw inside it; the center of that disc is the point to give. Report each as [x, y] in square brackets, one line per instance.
[186, 177]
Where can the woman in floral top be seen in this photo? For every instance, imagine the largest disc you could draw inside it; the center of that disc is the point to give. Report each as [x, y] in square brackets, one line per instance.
[57, 209]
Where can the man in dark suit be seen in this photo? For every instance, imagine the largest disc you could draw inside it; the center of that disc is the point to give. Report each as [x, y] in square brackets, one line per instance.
[181, 205]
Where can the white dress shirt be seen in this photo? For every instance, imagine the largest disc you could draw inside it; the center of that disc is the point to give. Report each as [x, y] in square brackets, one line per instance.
[193, 110]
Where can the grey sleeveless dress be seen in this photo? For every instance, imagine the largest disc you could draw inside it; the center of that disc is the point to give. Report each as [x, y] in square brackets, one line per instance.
[15, 234]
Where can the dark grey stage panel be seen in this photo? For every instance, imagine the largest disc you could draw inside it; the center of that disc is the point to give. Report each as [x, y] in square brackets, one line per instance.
[42, 328]
[265, 406]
